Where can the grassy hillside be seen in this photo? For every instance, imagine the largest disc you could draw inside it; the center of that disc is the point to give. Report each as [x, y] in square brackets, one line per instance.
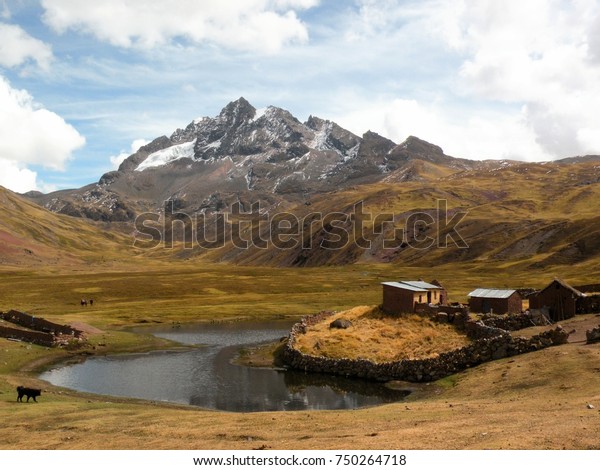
[33, 236]
[522, 216]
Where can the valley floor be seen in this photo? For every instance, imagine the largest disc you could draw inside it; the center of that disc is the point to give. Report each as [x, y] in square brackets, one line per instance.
[535, 401]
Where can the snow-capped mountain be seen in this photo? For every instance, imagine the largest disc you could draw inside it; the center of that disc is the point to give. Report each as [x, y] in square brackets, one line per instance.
[249, 154]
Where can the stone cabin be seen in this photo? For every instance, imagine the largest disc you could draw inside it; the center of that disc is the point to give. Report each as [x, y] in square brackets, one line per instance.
[560, 301]
[403, 296]
[498, 301]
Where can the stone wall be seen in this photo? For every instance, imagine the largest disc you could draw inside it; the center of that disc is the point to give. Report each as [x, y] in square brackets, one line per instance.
[35, 337]
[588, 304]
[39, 331]
[433, 310]
[512, 322]
[39, 324]
[491, 343]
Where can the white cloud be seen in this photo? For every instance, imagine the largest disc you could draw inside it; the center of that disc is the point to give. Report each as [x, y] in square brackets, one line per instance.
[540, 53]
[135, 146]
[251, 25]
[17, 47]
[476, 134]
[16, 178]
[31, 135]
[522, 78]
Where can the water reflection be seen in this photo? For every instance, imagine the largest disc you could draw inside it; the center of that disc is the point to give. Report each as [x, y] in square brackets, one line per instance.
[205, 377]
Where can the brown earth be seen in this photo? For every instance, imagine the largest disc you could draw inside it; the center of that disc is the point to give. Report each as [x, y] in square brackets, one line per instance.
[534, 401]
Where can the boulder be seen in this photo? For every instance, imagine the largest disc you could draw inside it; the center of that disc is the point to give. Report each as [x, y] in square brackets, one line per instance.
[340, 323]
[441, 317]
[593, 335]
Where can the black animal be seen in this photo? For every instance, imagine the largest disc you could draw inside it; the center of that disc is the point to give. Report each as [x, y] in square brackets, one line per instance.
[28, 392]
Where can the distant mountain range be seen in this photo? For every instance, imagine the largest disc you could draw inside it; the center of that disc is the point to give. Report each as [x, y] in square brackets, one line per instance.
[532, 215]
[246, 153]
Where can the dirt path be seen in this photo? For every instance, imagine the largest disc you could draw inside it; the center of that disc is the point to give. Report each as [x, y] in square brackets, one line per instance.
[580, 324]
[89, 329]
[576, 326]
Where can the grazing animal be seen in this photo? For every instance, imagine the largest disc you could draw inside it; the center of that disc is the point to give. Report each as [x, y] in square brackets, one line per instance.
[91, 302]
[83, 303]
[28, 392]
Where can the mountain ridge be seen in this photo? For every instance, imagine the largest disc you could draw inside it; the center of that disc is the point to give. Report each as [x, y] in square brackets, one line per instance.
[270, 153]
[530, 215]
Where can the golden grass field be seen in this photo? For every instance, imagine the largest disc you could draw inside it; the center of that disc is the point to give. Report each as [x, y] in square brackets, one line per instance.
[535, 401]
[379, 338]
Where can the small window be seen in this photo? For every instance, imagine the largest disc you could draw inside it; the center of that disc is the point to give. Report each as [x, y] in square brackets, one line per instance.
[420, 299]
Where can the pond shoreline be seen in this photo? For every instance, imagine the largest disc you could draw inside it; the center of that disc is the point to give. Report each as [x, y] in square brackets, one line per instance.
[234, 370]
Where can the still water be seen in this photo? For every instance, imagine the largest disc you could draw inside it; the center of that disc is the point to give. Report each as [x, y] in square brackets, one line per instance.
[205, 376]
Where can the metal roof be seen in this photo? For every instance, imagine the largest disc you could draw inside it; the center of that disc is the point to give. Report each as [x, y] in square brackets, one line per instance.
[402, 285]
[421, 284]
[492, 293]
[415, 286]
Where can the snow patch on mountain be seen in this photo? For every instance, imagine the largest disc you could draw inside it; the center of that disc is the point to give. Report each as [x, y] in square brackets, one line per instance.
[321, 136]
[168, 155]
[259, 113]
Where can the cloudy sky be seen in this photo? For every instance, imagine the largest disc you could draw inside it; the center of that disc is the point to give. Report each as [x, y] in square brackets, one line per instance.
[83, 84]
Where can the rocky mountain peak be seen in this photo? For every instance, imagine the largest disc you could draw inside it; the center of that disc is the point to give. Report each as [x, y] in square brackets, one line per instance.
[417, 146]
[315, 123]
[267, 154]
[374, 145]
[237, 112]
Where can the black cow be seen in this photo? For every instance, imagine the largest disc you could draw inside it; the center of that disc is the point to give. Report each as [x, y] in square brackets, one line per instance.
[28, 392]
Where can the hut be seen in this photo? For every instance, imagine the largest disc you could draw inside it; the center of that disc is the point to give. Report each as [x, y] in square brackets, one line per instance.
[402, 296]
[499, 301]
[560, 300]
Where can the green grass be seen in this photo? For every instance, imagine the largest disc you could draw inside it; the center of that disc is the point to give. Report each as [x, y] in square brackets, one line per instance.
[481, 398]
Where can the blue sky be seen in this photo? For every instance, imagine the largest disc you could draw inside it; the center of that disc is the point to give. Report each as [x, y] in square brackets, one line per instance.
[82, 84]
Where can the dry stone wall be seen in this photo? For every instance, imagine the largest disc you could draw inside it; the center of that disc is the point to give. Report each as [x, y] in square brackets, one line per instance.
[488, 344]
[39, 324]
[35, 337]
[512, 322]
[39, 331]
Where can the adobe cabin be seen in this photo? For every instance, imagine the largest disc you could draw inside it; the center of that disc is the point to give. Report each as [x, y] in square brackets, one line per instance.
[443, 291]
[562, 301]
[403, 296]
[498, 301]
